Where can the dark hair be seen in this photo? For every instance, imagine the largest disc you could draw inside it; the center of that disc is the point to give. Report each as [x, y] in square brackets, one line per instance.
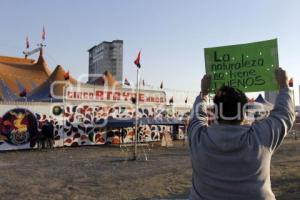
[229, 104]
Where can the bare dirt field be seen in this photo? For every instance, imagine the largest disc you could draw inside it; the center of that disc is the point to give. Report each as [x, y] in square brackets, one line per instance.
[100, 172]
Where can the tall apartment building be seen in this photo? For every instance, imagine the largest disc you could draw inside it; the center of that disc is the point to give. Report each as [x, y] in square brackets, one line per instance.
[106, 56]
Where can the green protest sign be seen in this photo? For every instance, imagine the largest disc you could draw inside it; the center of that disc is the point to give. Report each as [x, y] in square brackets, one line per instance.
[248, 67]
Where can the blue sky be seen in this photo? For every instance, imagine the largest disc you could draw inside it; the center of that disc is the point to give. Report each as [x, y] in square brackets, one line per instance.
[171, 33]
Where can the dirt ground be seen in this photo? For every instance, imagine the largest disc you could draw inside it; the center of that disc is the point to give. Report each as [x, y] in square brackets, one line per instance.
[101, 172]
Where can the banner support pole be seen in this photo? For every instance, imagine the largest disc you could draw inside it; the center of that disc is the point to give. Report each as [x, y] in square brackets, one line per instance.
[136, 114]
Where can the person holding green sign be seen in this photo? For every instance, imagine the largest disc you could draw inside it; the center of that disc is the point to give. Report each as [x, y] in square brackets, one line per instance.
[231, 161]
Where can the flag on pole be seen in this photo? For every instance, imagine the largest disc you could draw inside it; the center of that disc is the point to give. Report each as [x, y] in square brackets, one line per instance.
[23, 93]
[43, 34]
[67, 75]
[133, 100]
[137, 60]
[186, 100]
[291, 82]
[161, 85]
[27, 42]
[126, 82]
[171, 101]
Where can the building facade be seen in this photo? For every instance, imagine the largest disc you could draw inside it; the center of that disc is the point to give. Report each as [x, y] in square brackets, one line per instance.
[106, 56]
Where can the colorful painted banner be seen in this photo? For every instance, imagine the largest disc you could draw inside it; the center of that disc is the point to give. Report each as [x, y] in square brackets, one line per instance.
[18, 127]
[248, 67]
[21, 124]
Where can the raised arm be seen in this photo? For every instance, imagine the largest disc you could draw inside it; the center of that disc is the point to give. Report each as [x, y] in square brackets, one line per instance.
[274, 128]
[198, 118]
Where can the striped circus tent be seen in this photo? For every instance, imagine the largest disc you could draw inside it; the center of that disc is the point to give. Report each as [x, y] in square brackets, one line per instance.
[19, 74]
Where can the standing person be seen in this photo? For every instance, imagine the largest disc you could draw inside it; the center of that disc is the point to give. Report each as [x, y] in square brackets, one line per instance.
[163, 137]
[185, 121]
[122, 134]
[231, 161]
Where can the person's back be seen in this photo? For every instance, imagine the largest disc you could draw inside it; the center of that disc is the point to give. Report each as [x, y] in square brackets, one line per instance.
[232, 161]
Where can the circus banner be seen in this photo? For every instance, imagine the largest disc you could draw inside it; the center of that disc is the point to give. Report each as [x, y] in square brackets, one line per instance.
[121, 95]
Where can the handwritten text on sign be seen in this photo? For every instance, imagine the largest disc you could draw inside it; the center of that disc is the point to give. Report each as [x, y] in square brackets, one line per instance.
[248, 67]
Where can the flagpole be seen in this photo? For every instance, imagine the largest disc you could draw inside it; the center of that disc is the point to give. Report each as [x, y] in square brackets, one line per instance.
[136, 114]
[64, 106]
[294, 104]
[137, 63]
